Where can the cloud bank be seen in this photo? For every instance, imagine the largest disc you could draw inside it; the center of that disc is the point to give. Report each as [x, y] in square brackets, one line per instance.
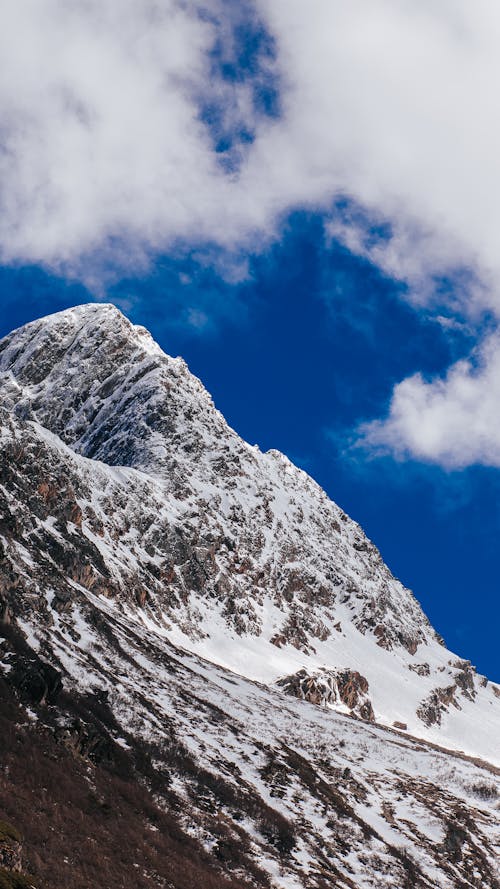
[130, 128]
[391, 103]
[109, 116]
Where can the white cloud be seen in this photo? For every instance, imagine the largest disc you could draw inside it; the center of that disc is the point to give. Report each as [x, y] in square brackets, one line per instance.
[452, 421]
[391, 103]
[102, 146]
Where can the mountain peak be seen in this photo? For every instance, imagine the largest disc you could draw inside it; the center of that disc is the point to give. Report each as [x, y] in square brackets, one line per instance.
[96, 380]
[82, 327]
[234, 554]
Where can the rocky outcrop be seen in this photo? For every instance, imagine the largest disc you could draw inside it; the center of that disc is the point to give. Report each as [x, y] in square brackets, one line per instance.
[330, 687]
[36, 682]
[10, 848]
[12, 859]
[420, 669]
[465, 679]
[432, 708]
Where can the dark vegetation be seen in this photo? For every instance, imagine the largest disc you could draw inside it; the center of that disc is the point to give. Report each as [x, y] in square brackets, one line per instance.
[85, 825]
[86, 815]
[9, 833]
[98, 805]
[11, 880]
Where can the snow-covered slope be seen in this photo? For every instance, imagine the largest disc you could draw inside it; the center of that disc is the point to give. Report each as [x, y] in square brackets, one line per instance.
[120, 476]
[281, 793]
[174, 606]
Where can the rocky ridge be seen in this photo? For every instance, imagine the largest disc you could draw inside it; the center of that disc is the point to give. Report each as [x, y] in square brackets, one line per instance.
[109, 392]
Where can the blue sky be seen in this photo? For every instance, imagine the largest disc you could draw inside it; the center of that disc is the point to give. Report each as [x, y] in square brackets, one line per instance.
[304, 205]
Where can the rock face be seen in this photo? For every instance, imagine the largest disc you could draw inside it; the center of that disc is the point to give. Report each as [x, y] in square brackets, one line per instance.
[153, 566]
[332, 687]
[10, 848]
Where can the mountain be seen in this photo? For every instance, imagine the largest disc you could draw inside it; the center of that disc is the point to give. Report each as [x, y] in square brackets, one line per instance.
[194, 619]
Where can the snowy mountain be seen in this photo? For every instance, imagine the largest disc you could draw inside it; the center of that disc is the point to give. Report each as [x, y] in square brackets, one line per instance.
[264, 672]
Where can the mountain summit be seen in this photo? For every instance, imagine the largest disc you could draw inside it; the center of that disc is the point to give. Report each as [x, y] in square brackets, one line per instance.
[150, 555]
[235, 554]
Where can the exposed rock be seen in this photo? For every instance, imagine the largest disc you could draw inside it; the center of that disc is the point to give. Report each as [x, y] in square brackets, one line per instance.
[86, 741]
[455, 838]
[431, 709]
[36, 681]
[465, 678]
[10, 848]
[328, 687]
[420, 669]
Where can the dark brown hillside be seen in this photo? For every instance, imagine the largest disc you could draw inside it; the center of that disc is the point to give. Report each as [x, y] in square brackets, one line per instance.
[85, 825]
